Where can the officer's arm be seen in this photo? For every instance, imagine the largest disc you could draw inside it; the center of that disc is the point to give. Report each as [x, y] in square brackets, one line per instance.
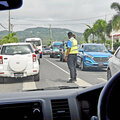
[68, 51]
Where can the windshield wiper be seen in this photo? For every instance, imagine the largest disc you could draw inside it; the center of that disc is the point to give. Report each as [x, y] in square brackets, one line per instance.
[57, 88]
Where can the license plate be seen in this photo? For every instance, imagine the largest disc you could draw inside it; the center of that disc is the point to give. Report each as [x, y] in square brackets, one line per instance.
[18, 74]
[100, 65]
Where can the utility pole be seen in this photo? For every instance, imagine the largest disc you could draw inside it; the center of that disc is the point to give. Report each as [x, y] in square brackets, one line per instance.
[50, 33]
[9, 23]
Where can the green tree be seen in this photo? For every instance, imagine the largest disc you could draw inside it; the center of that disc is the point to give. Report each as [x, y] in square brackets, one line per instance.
[86, 34]
[92, 31]
[10, 38]
[116, 18]
[100, 30]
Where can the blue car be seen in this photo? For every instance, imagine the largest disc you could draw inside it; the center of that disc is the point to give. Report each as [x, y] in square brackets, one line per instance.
[93, 55]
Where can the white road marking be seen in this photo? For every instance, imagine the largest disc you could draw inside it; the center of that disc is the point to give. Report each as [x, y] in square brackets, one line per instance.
[79, 81]
[57, 66]
[102, 79]
[29, 85]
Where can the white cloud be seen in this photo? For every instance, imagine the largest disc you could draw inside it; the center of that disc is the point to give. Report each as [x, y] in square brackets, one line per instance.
[51, 11]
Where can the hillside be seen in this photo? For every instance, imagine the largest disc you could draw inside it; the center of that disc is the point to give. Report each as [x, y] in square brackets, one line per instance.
[58, 34]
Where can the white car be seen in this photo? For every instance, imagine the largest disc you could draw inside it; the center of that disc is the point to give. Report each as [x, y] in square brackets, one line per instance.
[18, 60]
[114, 64]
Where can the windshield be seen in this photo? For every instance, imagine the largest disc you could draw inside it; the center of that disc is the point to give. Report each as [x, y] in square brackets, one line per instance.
[16, 49]
[47, 48]
[37, 43]
[95, 48]
[64, 30]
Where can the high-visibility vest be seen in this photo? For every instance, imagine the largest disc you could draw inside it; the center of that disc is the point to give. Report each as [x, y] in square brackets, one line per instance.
[74, 48]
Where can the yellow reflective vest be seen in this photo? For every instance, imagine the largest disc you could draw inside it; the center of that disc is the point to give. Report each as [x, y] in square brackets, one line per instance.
[74, 48]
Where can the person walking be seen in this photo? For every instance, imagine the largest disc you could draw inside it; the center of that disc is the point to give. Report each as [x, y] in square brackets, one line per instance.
[71, 56]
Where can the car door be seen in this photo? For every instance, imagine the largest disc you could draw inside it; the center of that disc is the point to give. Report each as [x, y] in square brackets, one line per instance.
[115, 63]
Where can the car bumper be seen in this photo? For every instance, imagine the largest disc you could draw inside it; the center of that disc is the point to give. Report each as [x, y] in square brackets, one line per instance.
[91, 63]
[96, 65]
[25, 73]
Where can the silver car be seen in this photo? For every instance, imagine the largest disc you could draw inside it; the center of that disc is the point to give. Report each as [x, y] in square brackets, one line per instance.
[114, 64]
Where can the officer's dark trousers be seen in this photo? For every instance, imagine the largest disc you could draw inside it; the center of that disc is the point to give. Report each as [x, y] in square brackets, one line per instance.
[72, 59]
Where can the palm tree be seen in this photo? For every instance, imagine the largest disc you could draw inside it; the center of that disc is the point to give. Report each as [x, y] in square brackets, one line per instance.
[116, 18]
[100, 29]
[92, 31]
[10, 38]
[86, 34]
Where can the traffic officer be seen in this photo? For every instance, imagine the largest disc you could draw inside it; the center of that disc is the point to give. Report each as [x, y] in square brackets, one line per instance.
[71, 56]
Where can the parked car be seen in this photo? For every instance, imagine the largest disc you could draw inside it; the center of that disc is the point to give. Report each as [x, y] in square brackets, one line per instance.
[93, 55]
[18, 60]
[55, 49]
[114, 64]
[46, 51]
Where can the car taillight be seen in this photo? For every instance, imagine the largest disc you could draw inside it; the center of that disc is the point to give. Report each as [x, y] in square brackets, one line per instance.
[41, 52]
[1, 59]
[34, 57]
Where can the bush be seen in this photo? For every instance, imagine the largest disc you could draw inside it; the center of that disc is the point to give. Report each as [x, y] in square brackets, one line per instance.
[116, 45]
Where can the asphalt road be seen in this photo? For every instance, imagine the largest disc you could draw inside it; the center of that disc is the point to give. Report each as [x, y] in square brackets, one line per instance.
[54, 73]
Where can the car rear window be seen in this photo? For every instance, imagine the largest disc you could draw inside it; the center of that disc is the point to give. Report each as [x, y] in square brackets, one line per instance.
[16, 49]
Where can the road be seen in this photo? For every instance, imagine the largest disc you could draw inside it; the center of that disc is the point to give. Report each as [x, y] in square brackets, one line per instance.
[53, 73]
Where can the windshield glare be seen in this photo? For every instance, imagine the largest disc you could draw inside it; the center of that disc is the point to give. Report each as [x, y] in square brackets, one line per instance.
[95, 48]
[37, 43]
[20, 49]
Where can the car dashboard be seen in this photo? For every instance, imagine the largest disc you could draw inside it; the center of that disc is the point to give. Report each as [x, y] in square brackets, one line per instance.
[68, 104]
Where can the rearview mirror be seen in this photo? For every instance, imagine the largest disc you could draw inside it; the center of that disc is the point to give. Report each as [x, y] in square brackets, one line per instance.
[10, 4]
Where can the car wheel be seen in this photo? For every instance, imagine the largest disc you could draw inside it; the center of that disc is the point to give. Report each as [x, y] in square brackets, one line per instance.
[2, 80]
[60, 58]
[82, 66]
[77, 66]
[39, 61]
[37, 77]
[108, 74]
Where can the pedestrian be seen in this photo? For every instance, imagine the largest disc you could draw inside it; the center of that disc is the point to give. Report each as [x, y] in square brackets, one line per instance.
[74, 36]
[71, 56]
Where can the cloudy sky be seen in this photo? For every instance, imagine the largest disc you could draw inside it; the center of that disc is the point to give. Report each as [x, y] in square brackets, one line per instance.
[72, 14]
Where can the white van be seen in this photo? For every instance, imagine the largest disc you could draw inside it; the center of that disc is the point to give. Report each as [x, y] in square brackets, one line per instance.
[37, 42]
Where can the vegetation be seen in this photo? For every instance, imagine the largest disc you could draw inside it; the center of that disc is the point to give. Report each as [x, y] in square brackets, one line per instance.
[116, 18]
[10, 38]
[98, 30]
[58, 34]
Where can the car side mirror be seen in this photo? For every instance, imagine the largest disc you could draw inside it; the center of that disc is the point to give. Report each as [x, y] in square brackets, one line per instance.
[110, 51]
[80, 50]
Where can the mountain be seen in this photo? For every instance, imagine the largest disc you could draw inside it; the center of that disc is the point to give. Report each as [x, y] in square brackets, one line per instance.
[58, 34]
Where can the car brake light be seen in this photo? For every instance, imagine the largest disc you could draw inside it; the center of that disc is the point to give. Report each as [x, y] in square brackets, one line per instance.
[41, 52]
[34, 57]
[1, 59]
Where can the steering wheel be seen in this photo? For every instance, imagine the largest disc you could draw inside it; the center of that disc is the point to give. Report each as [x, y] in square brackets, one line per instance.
[109, 101]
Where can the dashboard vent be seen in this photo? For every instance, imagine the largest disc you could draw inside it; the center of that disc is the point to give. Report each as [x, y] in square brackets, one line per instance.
[60, 109]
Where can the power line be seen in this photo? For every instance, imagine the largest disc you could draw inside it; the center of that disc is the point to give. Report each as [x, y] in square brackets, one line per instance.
[62, 20]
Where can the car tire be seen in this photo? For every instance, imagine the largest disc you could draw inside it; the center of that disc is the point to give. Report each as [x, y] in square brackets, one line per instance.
[39, 61]
[37, 77]
[1, 80]
[77, 66]
[108, 74]
[82, 66]
[60, 58]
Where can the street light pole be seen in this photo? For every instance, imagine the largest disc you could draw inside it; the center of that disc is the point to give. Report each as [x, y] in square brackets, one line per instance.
[112, 40]
[9, 24]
